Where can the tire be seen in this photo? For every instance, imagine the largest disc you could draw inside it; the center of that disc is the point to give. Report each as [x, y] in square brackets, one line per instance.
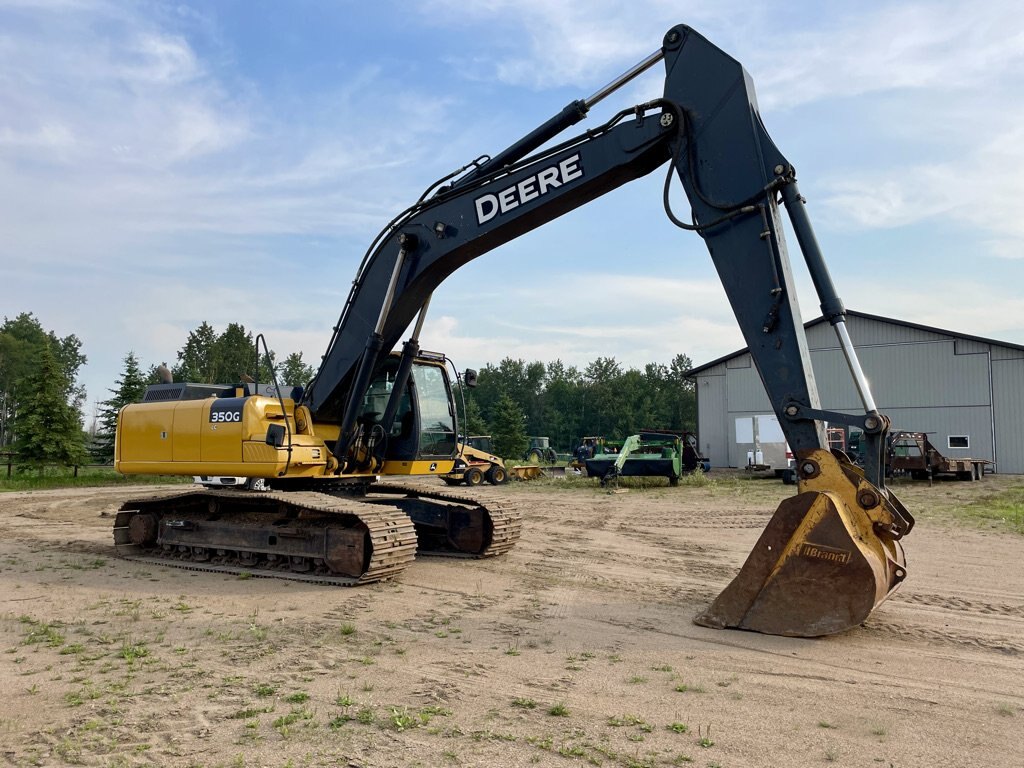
[450, 481]
[473, 476]
[497, 475]
[789, 476]
[673, 481]
[256, 484]
[534, 456]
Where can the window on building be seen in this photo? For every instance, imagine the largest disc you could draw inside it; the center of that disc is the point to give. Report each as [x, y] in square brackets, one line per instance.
[959, 441]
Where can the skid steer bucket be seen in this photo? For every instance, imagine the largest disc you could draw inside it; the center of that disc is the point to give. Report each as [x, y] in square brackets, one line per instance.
[825, 561]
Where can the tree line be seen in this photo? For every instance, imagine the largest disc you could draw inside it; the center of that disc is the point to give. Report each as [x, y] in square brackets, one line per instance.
[514, 400]
[41, 400]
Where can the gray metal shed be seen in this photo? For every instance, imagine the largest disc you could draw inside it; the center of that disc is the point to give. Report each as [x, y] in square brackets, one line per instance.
[968, 392]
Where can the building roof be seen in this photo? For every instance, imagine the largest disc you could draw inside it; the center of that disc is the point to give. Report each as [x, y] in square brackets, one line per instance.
[853, 313]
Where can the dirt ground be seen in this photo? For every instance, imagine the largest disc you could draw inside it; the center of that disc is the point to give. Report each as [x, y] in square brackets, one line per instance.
[575, 648]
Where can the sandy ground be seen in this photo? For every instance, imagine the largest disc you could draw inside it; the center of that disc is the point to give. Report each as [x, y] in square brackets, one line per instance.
[576, 648]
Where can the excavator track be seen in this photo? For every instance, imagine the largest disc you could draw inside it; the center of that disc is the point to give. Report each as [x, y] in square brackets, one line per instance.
[450, 525]
[304, 536]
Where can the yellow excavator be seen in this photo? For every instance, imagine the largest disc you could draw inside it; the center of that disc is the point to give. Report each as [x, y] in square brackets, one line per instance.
[829, 555]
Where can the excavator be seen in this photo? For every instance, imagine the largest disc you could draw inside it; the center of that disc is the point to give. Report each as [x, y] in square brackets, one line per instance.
[828, 556]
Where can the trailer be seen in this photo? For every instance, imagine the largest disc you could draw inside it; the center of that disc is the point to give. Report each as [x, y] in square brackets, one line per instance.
[912, 453]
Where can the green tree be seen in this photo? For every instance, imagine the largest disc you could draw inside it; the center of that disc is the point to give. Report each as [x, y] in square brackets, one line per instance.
[21, 342]
[294, 371]
[209, 358]
[508, 428]
[234, 354]
[129, 389]
[47, 426]
[684, 401]
[196, 360]
[473, 421]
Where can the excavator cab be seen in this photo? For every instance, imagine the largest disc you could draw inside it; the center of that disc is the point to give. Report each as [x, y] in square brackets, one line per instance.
[423, 429]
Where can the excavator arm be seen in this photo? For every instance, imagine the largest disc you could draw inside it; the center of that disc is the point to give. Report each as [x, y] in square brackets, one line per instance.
[831, 553]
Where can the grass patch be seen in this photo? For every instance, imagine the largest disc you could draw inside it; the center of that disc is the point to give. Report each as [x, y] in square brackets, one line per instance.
[1004, 509]
[42, 632]
[64, 477]
[559, 710]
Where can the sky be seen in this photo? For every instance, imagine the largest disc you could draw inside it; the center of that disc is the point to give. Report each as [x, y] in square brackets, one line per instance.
[168, 163]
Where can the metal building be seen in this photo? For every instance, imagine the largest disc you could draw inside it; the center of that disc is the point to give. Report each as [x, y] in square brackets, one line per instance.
[966, 391]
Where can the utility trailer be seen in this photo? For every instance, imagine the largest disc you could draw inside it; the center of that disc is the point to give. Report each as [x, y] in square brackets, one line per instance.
[912, 453]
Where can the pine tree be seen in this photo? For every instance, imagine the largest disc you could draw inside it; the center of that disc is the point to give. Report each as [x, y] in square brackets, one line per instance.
[508, 428]
[130, 388]
[47, 426]
[196, 359]
[473, 423]
[294, 372]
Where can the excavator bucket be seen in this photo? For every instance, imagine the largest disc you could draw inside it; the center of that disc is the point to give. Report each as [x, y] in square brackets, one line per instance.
[823, 563]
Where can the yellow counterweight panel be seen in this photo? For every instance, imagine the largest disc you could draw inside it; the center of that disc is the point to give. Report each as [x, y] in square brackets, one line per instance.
[215, 436]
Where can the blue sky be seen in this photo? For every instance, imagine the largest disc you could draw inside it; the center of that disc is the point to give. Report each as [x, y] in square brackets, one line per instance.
[162, 164]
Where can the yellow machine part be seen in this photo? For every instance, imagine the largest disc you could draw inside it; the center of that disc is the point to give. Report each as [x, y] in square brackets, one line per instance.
[829, 556]
[216, 436]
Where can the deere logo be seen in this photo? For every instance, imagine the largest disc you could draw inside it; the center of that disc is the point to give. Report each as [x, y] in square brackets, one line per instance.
[820, 552]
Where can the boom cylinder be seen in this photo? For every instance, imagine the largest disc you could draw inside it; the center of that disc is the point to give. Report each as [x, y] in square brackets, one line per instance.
[831, 305]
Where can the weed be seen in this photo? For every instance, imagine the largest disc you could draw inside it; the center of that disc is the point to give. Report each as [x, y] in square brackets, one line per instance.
[662, 668]
[704, 737]
[637, 679]
[558, 710]
[347, 629]
[824, 724]
[245, 714]
[432, 710]
[365, 716]
[574, 751]
[132, 652]
[244, 576]
[297, 698]
[678, 727]
[525, 703]
[878, 731]
[681, 759]
[1006, 710]
[41, 632]
[401, 720]
[831, 755]
[344, 700]
[264, 689]
[512, 651]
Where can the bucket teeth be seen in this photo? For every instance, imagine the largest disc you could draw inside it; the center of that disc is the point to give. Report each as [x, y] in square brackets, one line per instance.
[817, 569]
